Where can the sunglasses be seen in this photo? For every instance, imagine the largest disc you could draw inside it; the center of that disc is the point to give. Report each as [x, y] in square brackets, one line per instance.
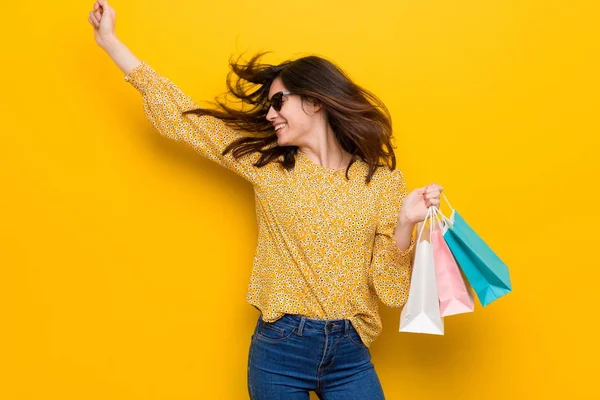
[277, 100]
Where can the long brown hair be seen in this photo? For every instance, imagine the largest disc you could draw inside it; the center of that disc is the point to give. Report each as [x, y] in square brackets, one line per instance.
[361, 122]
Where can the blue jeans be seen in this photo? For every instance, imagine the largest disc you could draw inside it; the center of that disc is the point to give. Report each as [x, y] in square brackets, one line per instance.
[295, 355]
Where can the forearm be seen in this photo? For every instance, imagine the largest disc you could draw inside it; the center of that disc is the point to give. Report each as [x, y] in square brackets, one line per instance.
[120, 54]
[404, 232]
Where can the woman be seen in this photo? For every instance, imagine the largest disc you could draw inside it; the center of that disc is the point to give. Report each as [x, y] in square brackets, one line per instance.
[335, 226]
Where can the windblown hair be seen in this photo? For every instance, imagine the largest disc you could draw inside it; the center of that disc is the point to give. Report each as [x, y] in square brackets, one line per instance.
[361, 122]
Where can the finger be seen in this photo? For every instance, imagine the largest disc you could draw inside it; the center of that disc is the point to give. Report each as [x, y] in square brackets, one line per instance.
[98, 15]
[431, 200]
[96, 6]
[433, 197]
[93, 23]
[93, 17]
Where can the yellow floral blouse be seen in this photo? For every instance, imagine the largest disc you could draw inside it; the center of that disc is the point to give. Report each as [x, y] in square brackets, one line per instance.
[326, 246]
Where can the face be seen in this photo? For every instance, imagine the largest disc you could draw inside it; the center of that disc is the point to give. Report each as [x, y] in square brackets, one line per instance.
[299, 119]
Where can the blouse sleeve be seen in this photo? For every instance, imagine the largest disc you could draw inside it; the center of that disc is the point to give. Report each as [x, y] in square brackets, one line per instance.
[163, 103]
[390, 269]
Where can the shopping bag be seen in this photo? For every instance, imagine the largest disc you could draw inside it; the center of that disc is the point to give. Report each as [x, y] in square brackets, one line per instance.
[485, 271]
[455, 297]
[421, 313]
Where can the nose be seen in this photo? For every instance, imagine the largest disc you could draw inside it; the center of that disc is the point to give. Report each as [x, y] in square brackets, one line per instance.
[271, 114]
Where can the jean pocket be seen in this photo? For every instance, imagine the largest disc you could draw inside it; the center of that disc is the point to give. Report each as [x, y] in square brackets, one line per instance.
[273, 332]
[355, 337]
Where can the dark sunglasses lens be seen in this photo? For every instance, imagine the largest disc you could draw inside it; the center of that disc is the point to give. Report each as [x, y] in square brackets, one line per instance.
[276, 101]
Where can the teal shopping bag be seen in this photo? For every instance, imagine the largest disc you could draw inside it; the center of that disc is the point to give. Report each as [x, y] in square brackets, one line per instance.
[485, 271]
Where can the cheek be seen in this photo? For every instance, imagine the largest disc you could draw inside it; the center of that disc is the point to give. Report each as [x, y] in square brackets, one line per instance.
[287, 115]
[295, 121]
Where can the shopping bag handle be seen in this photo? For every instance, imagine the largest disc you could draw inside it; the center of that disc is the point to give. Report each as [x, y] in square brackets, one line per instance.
[441, 214]
[430, 212]
[445, 198]
[434, 212]
[444, 218]
[437, 212]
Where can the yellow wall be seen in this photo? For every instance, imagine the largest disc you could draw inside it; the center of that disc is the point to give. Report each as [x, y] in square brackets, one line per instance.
[125, 257]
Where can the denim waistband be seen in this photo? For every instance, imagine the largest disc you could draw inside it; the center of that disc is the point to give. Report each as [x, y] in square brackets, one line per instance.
[326, 325]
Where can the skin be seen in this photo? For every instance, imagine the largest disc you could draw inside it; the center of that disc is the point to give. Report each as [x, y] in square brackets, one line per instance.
[307, 126]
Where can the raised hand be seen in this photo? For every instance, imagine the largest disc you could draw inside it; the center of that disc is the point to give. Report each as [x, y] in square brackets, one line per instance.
[102, 18]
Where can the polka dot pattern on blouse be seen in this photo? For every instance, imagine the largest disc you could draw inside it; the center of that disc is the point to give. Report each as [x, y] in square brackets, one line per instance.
[326, 246]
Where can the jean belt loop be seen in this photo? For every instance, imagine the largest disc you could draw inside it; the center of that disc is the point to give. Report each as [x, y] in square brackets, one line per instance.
[301, 326]
[347, 327]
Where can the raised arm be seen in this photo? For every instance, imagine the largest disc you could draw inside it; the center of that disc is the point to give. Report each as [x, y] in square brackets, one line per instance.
[164, 102]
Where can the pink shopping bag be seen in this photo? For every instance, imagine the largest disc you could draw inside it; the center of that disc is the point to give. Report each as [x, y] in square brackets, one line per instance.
[454, 296]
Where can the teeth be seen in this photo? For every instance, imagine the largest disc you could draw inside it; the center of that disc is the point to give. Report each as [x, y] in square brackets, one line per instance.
[277, 127]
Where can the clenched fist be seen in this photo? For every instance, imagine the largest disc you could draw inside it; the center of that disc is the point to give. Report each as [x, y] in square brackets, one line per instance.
[416, 203]
[102, 18]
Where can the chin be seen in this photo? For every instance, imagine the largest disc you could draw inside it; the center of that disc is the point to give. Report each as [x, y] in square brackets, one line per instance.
[281, 141]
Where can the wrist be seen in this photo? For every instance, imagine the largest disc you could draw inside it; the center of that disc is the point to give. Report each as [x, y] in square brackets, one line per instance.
[109, 42]
[404, 232]
[404, 221]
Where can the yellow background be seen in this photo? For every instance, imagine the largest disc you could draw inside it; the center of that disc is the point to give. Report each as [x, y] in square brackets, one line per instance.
[125, 257]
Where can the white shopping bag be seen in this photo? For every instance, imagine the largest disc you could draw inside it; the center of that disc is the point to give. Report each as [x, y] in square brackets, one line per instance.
[421, 313]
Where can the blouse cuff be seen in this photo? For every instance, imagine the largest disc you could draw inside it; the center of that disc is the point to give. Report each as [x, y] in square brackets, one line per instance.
[140, 76]
[402, 255]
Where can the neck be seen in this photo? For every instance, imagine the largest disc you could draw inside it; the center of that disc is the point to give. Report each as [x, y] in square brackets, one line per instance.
[325, 150]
